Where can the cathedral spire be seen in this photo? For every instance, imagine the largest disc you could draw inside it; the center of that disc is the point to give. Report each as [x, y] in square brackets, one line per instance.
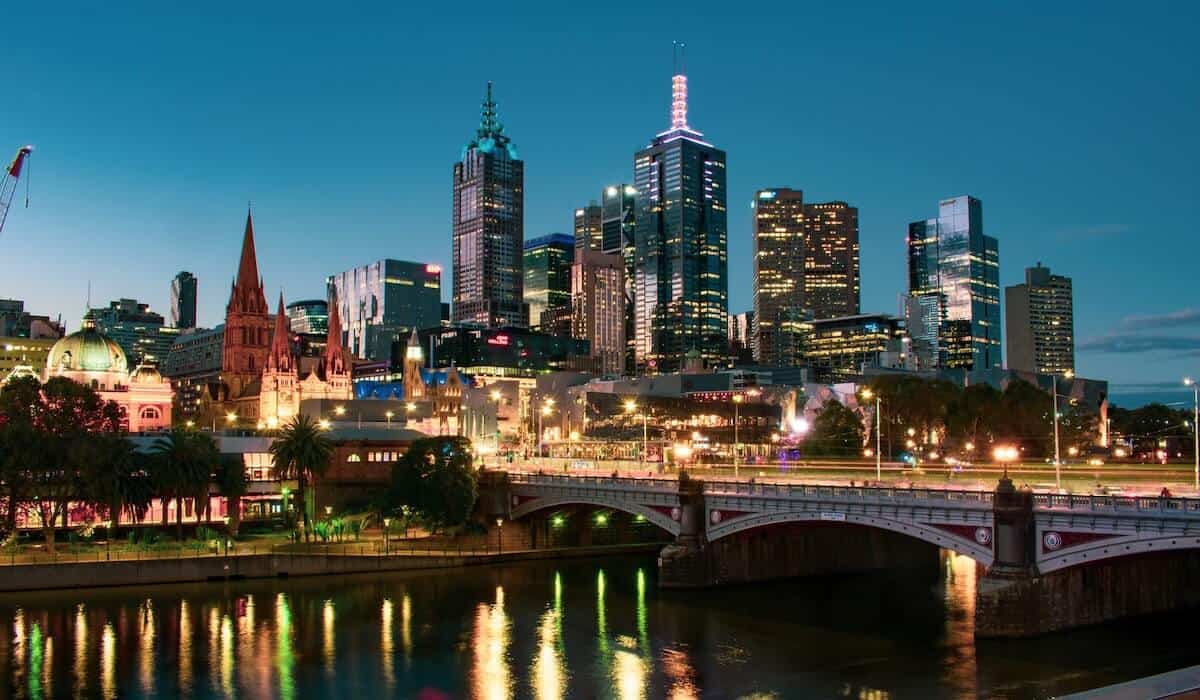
[335, 352]
[280, 357]
[247, 293]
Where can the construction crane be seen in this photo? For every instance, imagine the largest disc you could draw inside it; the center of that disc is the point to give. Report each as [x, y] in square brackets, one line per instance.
[8, 186]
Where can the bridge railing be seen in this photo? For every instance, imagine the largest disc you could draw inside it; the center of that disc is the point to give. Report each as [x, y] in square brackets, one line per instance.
[866, 493]
[637, 483]
[1117, 504]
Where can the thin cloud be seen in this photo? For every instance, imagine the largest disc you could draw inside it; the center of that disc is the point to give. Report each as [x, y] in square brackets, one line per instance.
[1133, 344]
[1094, 231]
[1174, 319]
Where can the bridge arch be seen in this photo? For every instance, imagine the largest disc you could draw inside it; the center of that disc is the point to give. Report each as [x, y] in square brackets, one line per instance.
[652, 515]
[940, 538]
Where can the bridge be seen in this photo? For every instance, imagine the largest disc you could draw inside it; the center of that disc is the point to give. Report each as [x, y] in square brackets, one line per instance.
[1111, 555]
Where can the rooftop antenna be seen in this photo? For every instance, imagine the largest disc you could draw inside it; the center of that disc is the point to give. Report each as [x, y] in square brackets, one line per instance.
[678, 89]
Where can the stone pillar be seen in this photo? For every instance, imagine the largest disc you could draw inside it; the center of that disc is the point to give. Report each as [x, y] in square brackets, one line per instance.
[495, 496]
[1014, 530]
[684, 563]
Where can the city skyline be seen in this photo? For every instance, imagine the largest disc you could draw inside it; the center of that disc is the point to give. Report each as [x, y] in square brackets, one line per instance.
[1043, 203]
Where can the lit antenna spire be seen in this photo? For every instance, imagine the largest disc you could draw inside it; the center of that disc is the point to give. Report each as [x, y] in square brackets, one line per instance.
[678, 89]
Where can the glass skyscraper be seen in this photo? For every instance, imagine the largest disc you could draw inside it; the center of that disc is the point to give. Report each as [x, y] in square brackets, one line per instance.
[954, 286]
[547, 263]
[831, 276]
[183, 300]
[681, 275]
[489, 228]
[778, 274]
[589, 230]
[384, 302]
[618, 214]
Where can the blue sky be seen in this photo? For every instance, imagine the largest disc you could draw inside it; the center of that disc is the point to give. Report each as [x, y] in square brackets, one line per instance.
[1075, 124]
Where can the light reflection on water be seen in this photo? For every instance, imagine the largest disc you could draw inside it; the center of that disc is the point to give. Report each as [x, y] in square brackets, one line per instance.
[549, 630]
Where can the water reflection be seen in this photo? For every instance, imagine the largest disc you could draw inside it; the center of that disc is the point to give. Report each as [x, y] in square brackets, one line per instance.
[185, 649]
[327, 637]
[492, 677]
[406, 628]
[385, 644]
[81, 651]
[285, 657]
[108, 662]
[146, 647]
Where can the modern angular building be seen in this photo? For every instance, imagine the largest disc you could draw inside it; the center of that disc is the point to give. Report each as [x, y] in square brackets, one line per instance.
[16, 322]
[831, 273]
[383, 302]
[838, 349]
[618, 212]
[1040, 320]
[598, 307]
[589, 230]
[547, 262]
[309, 316]
[183, 300]
[141, 333]
[489, 228]
[681, 276]
[778, 272]
[954, 286]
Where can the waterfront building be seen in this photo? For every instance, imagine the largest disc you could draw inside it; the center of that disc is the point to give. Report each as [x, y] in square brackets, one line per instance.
[953, 282]
[681, 262]
[831, 271]
[183, 300]
[838, 349]
[309, 317]
[1040, 320]
[779, 256]
[381, 303]
[547, 263]
[16, 322]
[589, 228]
[500, 352]
[91, 358]
[489, 228]
[141, 333]
[618, 212]
[598, 307]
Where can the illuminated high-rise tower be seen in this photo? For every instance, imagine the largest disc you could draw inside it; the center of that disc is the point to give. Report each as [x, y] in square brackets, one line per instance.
[489, 228]
[681, 277]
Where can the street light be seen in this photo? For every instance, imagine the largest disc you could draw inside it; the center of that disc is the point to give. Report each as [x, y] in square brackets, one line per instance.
[1195, 424]
[340, 410]
[1057, 459]
[546, 411]
[499, 531]
[324, 424]
[231, 418]
[868, 395]
[737, 402]
[388, 415]
[630, 407]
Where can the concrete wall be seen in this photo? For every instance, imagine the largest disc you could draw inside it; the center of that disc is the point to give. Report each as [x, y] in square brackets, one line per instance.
[1025, 606]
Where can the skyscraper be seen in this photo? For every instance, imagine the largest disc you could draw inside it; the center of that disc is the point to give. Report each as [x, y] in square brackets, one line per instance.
[831, 277]
[1040, 316]
[183, 300]
[489, 229]
[547, 262]
[140, 332]
[778, 272]
[588, 228]
[384, 302]
[953, 285]
[598, 307]
[681, 264]
[618, 205]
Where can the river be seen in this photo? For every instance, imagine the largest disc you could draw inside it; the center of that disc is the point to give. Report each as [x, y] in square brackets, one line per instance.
[596, 628]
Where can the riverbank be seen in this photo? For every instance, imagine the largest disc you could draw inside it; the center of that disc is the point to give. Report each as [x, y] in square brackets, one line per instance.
[276, 564]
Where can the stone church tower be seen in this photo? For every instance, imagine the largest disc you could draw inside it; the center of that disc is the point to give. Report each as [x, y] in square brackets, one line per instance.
[247, 324]
[279, 394]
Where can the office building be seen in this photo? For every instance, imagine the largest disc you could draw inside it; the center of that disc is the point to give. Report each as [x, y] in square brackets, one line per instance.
[23, 355]
[831, 276]
[589, 230]
[142, 334]
[309, 316]
[598, 307]
[741, 329]
[838, 349]
[489, 228]
[618, 212]
[16, 322]
[193, 362]
[498, 352]
[547, 288]
[383, 302]
[681, 295]
[953, 285]
[778, 272]
[1040, 320]
[183, 300]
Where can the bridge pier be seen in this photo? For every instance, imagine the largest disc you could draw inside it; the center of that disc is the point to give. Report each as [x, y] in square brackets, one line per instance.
[684, 563]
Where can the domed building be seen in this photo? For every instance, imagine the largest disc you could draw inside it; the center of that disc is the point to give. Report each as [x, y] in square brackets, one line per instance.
[93, 359]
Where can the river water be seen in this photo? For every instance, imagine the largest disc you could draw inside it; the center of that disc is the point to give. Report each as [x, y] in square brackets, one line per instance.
[596, 628]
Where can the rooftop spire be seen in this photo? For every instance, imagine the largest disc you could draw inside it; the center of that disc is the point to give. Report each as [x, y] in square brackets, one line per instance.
[489, 124]
[248, 266]
[280, 357]
[678, 89]
[335, 355]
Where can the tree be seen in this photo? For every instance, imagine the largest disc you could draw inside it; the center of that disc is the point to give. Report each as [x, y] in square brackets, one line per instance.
[972, 414]
[436, 479]
[836, 432]
[115, 479]
[301, 452]
[1025, 417]
[20, 399]
[183, 469]
[231, 480]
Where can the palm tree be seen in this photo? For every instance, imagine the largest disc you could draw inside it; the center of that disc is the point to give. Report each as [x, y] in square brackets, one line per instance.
[231, 479]
[186, 462]
[301, 452]
[115, 479]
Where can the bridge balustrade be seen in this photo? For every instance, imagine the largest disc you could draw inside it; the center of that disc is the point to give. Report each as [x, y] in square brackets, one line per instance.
[1054, 501]
[745, 488]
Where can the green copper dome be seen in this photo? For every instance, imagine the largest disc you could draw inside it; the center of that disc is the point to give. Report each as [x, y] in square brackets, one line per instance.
[87, 350]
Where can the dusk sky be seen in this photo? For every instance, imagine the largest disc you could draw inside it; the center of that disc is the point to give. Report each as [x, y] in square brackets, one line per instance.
[1075, 124]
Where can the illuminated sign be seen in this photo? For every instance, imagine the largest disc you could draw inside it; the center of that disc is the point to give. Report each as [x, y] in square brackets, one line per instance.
[766, 195]
[501, 339]
[433, 269]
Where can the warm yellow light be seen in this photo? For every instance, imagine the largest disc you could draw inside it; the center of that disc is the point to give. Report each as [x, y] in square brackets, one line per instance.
[1005, 453]
[912, 432]
[910, 444]
[231, 417]
[546, 410]
[630, 406]
[969, 447]
[1072, 451]
[190, 424]
[549, 401]
[1068, 374]
[496, 394]
[410, 407]
[682, 451]
[574, 435]
[868, 394]
[738, 398]
[272, 422]
[389, 414]
[324, 424]
[340, 410]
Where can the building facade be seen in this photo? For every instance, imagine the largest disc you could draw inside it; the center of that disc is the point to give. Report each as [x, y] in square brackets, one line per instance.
[489, 228]
[618, 212]
[184, 287]
[954, 286]
[383, 302]
[140, 332]
[838, 349]
[16, 322]
[598, 307]
[1040, 320]
[681, 275]
[309, 316]
[589, 228]
[831, 272]
[778, 273]
[547, 266]
[193, 363]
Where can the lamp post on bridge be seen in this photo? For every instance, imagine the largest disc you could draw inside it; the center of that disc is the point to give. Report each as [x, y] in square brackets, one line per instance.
[1057, 460]
[868, 395]
[630, 407]
[1195, 426]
